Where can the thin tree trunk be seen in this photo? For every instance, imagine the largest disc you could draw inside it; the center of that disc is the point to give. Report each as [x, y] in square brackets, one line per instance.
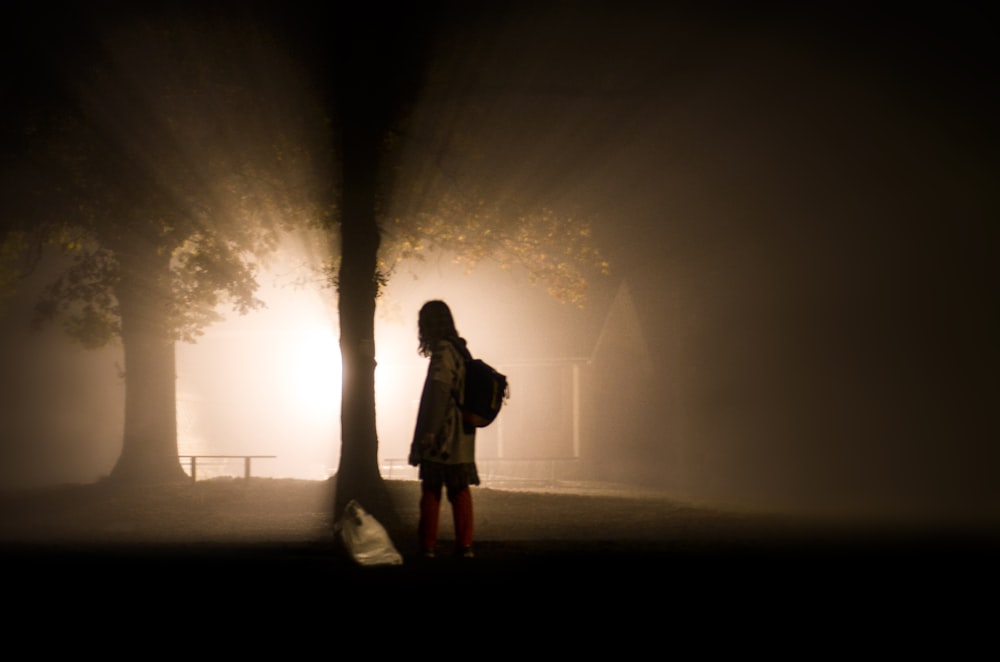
[379, 54]
[358, 474]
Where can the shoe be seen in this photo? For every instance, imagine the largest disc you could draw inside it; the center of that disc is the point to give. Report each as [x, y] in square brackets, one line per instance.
[427, 553]
[466, 553]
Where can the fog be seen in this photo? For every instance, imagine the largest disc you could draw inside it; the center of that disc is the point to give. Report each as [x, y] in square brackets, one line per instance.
[285, 398]
[798, 211]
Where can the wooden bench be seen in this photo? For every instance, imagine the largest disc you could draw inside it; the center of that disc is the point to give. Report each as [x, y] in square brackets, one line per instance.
[193, 462]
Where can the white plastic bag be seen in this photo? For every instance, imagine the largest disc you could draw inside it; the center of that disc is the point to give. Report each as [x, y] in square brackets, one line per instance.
[365, 539]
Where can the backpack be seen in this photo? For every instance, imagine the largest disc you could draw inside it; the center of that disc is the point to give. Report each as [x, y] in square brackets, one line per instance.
[485, 390]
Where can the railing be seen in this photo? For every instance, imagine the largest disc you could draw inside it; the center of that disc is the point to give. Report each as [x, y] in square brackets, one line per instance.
[548, 471]
[193, 462]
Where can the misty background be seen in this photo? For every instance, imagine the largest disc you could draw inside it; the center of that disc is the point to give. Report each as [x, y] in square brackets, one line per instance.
[798, 208]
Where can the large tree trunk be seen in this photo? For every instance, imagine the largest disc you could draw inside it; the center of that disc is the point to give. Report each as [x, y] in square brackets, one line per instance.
[149, 444]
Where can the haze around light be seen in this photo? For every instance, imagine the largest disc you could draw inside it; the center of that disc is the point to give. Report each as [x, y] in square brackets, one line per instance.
[269, 382]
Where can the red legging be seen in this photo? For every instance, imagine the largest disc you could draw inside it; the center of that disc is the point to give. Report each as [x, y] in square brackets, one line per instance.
[430, 510]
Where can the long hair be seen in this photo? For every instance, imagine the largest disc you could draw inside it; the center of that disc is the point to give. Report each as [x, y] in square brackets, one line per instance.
[434, 324]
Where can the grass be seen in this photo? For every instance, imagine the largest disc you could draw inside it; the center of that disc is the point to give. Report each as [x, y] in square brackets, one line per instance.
[234, 541]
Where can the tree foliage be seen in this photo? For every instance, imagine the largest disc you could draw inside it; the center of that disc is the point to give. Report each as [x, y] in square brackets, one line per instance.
[556, 250]
[181, 145]
[480, 169]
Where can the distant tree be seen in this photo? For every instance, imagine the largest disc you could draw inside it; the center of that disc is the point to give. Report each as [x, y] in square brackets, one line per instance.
[171, 168]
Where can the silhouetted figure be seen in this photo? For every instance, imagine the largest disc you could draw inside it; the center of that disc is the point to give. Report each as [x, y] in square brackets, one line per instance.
[443, 446]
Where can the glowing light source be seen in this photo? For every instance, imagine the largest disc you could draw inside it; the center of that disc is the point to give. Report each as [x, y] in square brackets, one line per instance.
[267, 383]
[316, 371]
